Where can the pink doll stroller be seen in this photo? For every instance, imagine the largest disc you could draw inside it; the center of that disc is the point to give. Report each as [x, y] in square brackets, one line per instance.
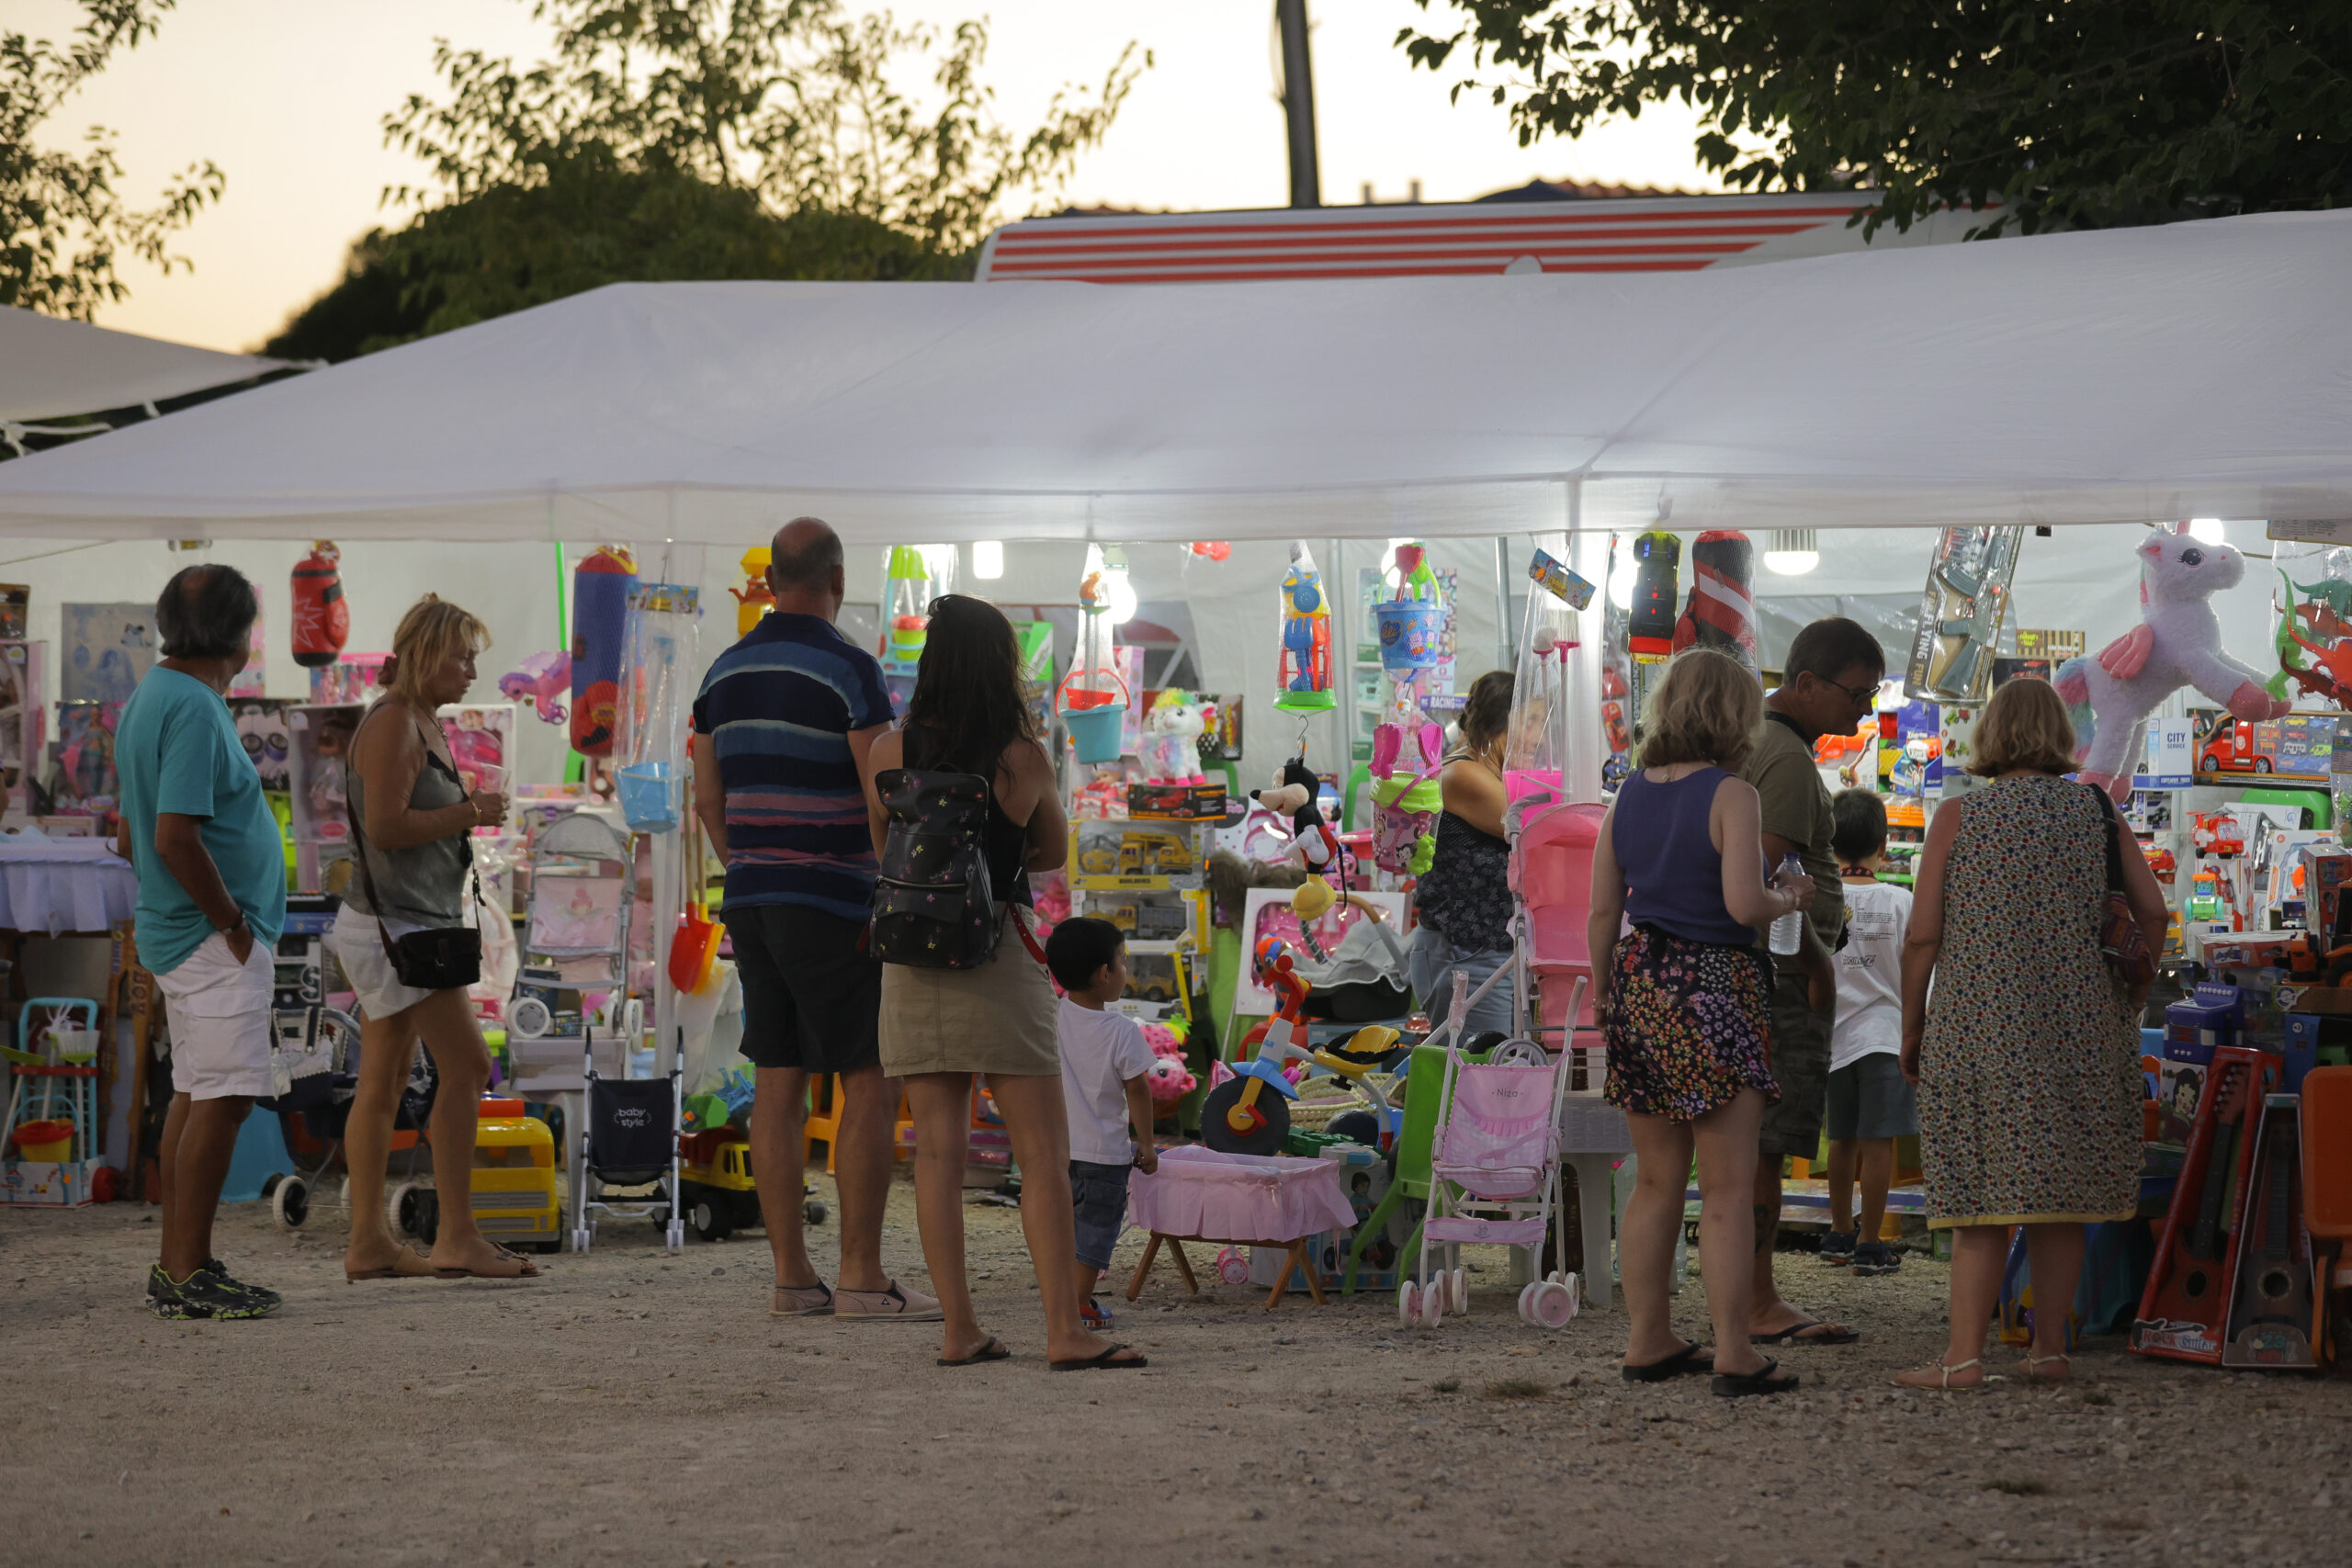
[1495, 1176]
[1551, 872]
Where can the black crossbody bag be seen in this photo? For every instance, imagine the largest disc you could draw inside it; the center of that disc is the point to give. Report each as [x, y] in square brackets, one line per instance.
[437, 958]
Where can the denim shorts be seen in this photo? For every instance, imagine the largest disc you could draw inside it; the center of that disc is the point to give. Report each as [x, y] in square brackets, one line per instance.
[1098, 1196]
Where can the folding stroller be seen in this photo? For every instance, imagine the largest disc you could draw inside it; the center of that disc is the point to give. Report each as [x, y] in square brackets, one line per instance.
[1495, 1177]
[628, 1137]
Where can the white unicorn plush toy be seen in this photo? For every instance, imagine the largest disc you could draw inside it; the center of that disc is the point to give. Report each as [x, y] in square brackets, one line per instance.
[2177, 643]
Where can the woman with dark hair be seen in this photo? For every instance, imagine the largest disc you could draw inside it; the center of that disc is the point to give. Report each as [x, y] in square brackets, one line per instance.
[970, 713]
[1463, 900]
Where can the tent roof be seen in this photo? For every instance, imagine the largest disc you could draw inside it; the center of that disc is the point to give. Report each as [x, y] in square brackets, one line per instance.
[54, 370]
[2193, 369]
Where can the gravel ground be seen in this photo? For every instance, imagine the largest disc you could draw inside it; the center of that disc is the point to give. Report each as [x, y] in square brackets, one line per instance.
[634, 1407]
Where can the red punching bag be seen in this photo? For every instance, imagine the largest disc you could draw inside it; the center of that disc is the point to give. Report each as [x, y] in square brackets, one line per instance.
[321, 618]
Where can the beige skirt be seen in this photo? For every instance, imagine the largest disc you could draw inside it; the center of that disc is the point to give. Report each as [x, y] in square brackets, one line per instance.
[997, 1018]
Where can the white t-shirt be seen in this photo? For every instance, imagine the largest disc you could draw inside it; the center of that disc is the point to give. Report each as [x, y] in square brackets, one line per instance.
[1870, 973]
[1100, 1051]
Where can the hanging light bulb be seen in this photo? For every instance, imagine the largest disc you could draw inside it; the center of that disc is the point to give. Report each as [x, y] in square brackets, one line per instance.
[1791, 552]
[2208, 531]
[988, 560]
[1117, 589]
[1623, 570]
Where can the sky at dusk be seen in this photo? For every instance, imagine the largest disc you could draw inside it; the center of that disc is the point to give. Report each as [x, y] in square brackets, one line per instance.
[286, 97]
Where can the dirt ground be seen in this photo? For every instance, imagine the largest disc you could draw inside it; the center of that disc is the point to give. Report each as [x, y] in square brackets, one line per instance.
[634, 1407]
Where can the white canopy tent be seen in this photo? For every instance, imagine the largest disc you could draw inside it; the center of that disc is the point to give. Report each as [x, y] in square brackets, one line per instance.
[2135, 375]
[54, 369]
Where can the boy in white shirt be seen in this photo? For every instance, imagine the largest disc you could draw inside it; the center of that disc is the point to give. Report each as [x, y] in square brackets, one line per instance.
[1869, 1104]
[1104, 1058]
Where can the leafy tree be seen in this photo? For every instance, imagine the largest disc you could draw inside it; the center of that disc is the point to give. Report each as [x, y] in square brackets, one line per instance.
[62, 223]
[2051, 115]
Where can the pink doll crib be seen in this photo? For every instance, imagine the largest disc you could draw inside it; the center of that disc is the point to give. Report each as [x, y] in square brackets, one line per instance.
[1198, 1194]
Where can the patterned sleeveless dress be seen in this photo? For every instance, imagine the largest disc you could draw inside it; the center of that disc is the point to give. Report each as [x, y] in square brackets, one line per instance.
[2029, 1081]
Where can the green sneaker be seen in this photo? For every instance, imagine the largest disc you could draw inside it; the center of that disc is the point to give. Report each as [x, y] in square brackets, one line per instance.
[207, 1293]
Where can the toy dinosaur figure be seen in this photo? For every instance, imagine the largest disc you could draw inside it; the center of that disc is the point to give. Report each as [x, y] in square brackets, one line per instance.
[2334, 659]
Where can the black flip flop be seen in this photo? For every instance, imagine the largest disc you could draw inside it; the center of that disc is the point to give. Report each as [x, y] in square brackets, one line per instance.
[1766, 1379]
[1102, 1362]
[1682, 1361]
[993, 1350]
[1795, 1333]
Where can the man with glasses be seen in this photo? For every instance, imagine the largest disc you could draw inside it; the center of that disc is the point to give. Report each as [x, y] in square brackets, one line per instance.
[1827, 687]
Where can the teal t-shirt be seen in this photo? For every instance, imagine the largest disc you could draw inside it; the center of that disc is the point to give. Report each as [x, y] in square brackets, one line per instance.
[176, 749]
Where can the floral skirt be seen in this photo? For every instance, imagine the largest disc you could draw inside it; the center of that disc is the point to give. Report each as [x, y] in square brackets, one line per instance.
[1690, 1025]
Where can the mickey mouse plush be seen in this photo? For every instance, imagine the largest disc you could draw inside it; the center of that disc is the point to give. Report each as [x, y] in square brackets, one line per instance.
[1293, 792]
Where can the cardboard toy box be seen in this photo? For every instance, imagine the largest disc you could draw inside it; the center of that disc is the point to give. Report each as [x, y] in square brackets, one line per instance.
[1176, 802]
[1114, 854]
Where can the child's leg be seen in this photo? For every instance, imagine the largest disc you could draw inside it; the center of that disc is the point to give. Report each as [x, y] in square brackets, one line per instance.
[1087, 1275]
[1841, 1185]
[1876, 1158]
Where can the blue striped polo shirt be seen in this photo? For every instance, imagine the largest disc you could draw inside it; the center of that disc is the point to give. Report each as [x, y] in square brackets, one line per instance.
[779, 708]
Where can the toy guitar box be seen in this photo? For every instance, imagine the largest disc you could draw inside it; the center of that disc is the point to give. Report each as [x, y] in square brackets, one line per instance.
[2272, 1303]
[2183, 1310]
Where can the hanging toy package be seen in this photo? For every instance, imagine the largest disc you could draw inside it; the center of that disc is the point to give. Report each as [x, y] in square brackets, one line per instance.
[1961, 612]
[1407, 748]
[1305, 666]
[322, 614]
[913, 576]
[1093, 699]
[753, 599]
[1721, 612]
[600, 590]
[1535, 748]
[658, 660]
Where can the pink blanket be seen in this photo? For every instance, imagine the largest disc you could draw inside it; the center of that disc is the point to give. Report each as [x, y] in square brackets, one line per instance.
[1198, 1191]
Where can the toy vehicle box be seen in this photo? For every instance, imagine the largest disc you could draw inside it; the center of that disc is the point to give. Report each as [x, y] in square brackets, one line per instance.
[1176, 802]
[1113, 854]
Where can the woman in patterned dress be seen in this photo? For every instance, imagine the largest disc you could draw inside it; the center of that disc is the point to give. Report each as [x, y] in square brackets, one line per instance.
[2027, 1063]
[1463, 902]
[1685, 1006]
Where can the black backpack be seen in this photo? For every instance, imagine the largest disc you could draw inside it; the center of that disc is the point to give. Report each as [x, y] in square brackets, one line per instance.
[932, 905]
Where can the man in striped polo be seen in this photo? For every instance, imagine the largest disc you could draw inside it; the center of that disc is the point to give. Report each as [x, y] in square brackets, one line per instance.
[782, 727]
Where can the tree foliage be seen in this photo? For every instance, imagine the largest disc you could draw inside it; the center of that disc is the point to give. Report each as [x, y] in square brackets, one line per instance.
[62, 224]
[2091, 112]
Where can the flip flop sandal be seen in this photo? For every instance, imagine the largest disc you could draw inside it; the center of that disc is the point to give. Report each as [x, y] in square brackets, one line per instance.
[1945, 1384]
[993, 1350]
[1102, 1362]
[1795, 1333]
[1766, 1379]
[1682, 1361]
[395, 1271]
[530, 1270]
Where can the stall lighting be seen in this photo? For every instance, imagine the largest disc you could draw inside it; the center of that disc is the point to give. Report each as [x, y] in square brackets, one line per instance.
[2208, 531]
[1791, 552]
[1622, 574]
[988, 560]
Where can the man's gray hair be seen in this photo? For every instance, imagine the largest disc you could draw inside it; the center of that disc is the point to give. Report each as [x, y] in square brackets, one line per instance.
[807, 561]
[206, 612]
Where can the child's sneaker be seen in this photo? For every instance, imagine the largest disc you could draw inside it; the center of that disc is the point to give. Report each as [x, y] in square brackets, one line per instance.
[1837, 1248]
[1876, 1258]
[1096, 1318]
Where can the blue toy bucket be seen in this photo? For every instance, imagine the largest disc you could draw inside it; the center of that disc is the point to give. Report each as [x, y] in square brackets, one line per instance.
[1096, 731]
[648, 803]
[1411, 636]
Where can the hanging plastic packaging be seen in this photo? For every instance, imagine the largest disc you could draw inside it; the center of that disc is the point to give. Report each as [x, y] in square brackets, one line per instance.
[1412, 622]
[1093, 699]
[1535, 748]
[1721, 612]
[1657, 558]
[1306, 665]
[905, 597]
[600, 590]
[322, 614]
[1961, 612]
[650, 729]
[753, 599]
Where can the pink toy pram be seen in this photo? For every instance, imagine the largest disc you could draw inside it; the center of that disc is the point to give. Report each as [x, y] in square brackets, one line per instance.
[1495, 1175]
[1551, 872]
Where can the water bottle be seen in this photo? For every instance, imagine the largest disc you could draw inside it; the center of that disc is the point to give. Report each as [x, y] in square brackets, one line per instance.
[1788, 931]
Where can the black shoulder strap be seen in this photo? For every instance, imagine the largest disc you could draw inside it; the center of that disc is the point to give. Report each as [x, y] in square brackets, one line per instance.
[2114, 837]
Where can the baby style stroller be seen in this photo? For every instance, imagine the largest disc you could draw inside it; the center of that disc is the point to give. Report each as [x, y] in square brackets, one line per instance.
[1494, 1174]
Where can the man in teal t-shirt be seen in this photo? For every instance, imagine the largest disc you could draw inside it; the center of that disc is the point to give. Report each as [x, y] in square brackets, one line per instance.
[211, 901]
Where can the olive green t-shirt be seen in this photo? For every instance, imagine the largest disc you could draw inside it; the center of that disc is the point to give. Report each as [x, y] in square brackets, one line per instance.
[1796, 807]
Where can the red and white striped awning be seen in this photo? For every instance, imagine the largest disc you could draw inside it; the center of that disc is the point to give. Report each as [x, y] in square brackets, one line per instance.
[1684, 233]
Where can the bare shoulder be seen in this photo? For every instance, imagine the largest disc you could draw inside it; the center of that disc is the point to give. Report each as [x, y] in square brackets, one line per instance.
[1024, 760]
[1731, 791]
[889, 748]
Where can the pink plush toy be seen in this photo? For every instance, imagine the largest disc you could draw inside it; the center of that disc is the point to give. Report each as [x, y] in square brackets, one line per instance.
[1167, 1077]
[2177, 643]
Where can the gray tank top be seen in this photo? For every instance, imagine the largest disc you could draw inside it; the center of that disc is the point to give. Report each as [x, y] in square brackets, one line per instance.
[425, 884]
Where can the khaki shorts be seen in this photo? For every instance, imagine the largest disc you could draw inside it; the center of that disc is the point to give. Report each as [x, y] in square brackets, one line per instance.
[222, 1026]
[1801, 1068]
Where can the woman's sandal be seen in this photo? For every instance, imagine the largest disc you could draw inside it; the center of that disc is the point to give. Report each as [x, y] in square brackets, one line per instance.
[529, 1270]
[993, 1350]
[1682, 1361]
[1766, 1379]
[1944, 1383]
[2033, 1365]
[1108, 1362]
[423, 1270]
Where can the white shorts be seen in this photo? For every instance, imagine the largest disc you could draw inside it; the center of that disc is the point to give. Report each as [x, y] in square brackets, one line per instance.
[222, 1027]
[359, 945]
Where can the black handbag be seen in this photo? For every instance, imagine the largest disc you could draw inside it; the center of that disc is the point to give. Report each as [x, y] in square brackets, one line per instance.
[437, 958]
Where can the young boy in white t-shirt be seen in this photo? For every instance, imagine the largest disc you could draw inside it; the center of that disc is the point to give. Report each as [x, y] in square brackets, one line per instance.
[1869, 1104]
[1104, 1058]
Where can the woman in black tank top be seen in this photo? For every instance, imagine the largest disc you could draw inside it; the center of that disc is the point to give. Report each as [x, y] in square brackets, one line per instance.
[971, 714]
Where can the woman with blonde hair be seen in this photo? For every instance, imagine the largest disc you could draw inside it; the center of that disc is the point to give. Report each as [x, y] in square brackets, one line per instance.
[412, 822]
[2027, 1063]
[1684, 1001]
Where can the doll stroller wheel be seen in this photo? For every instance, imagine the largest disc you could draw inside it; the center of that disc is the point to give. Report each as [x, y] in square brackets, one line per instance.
[289, 1201]
[402, 1210]
[1408, 1308]
[1526, 1301]
[1553, 1304]
[528, 1018]
[1458, 1291]
[660, 1215]
[1433, 1302]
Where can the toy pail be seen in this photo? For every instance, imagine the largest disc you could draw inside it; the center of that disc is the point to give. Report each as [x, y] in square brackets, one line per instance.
[1096, 731]
[648, 802]
[45, 1140]
[1409, 634]
[74, 1047]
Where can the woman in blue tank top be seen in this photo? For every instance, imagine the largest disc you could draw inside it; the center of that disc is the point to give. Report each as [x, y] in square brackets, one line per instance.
[1678, 892]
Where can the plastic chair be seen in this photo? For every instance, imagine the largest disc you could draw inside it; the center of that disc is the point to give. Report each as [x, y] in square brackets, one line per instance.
[2327, 1138]
[824, 1122]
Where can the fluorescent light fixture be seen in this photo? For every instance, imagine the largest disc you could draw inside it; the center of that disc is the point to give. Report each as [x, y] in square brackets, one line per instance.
[988, 560]
[2208, 531]
[1791, 552]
